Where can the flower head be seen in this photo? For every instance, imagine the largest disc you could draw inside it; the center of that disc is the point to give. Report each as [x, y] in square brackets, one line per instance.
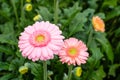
[28, 7]
[37, 17]
[78, 71]
[73, 52]
[98, 24]
[23, 69]
[40, 41]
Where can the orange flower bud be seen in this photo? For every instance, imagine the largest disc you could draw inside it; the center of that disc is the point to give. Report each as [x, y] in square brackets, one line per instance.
[98, 24]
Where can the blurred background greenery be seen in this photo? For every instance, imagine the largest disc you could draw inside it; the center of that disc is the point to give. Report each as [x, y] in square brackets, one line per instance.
[74, 19]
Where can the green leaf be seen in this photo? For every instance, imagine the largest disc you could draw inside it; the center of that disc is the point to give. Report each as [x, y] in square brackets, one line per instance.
[4, 66]
[37, 71]
[8, 38]
[99, 74]
[78, 21]
[7, 76]
[15, 64]
[45, 13]
[105, 45]
[77, 24]
[117, 32]
[109, 3]
[112, 70]
[93, 3]
[6, 49]
[7, 27]
[70, 11]
[102, 15]
[88, 12]
[96, 54]
[114, 13]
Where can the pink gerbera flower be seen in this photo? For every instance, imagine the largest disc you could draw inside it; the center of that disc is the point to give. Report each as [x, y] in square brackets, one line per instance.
[73, 52]
[40, 41]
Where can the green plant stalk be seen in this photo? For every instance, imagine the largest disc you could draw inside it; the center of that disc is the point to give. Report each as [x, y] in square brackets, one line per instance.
[22, 10]
[15, 11]
[90, 37]
[45, 69]
[56, 6]
[69, 20]
[70, 72]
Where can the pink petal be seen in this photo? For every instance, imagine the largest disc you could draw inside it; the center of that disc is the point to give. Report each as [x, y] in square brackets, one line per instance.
[28, 50]
[53, 47]
[44, 53]
[29, 29]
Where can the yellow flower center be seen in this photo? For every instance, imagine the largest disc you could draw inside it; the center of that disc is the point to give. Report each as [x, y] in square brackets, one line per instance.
[72, 52]
[40, 38]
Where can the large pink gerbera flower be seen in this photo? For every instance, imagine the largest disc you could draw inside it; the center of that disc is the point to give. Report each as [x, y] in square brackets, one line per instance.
[73, 52]
[40, 41]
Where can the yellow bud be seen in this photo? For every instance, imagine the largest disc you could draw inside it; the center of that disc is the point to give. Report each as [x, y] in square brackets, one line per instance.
[98, 24]
[78, 71]
[28, 7]
[37, 17]
[23, 69]
[28, 0]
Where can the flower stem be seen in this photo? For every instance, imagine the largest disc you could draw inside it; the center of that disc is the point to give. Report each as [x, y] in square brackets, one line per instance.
[45, 70]
[22, 10]
[15, 11]
[70, 72]
[56, 5]
[90, 37]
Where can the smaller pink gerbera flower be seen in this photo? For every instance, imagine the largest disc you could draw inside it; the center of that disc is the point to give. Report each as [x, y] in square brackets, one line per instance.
[73, 52]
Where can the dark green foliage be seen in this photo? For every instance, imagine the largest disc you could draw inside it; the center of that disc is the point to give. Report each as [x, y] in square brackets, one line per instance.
[74, 19]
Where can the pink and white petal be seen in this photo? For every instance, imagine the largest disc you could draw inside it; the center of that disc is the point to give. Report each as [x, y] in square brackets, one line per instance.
[77, 61]
[38, 26]
[29, 29]
[38, 52]
[35, 59]
[83, 53]
[24, 34]
[33, 54]
[27, 51]
[50, 52]
[62, 53]
[53, 47]
[53, 28]
[57, 42]
[24, 45]
[55, 33]
[57, 37]
[68, 43]
[83, 57]
[82, 46]
[47, 26]
[44, 52]
[22, 42]
[23, 37]
[42, 58]
[82, 61]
